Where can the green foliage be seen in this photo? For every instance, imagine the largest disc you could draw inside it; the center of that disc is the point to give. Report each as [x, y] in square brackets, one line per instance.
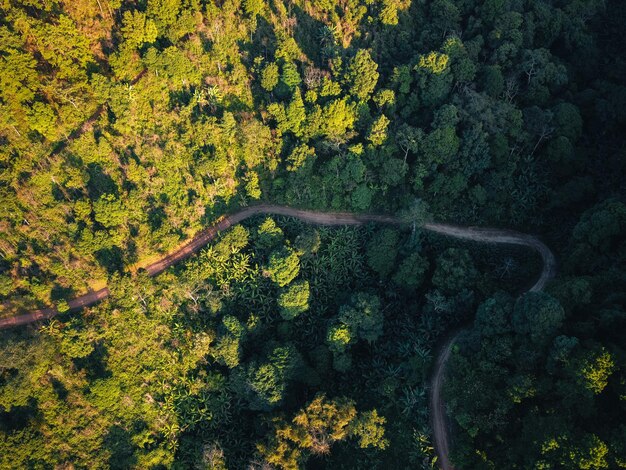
[269, 77]
[363, 316]
[339, 337]
[533, 350]
[537, 315]
[264, 384]
[294, 300]
[308, 242]
[268, 235]
[284, 266]
[290, 75]
[316, 428]
[493, 81]
[228, 348]
[378, 131]
[299, 157]
[454, 270]
[362, 75]
[253, 8]
[382, 251]
[410, 273]
[137, 29]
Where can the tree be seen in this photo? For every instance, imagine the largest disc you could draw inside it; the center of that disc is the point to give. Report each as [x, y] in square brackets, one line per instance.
[590, 454]
[537, 315]
[109, 211]
[229, 345]
[454, 271]
[295, 114]
[441, 145]
[493, 81]
[232, 241]
[290, 75]
[361, 75]
[494, 316]
[595, 370]
[361, 197]
[415, 213]
[410, 273]
[382, 251]
[269, 76]
[284, 266]
[378, 130]
[299, 157]
[268, 235]
[253, 8]
[433, 62]
[385, 98]
[137, 29]
[294, 300]
[363, 316]
[339, 337]
[335, 119]
[42, 119]
[316, 428]
[568, 121]
[307, 242]
[369, 428]
[264, 383]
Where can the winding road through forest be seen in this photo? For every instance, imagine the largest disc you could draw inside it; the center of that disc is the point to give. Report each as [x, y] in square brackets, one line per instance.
[483, 235]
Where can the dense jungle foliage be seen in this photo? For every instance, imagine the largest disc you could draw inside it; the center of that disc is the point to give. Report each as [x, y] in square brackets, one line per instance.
[127, 127]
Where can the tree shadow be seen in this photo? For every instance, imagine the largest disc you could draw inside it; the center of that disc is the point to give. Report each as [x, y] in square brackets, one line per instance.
[99, 182]
[307, 35]
[111, 259]
[60, 292]
[119, 442]
[19, 417]
[95, 364]
[59, 388]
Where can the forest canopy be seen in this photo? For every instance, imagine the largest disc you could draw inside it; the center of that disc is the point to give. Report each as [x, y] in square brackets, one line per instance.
[127, 128]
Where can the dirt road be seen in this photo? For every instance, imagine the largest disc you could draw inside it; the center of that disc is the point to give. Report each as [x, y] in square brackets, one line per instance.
[483, 235]
[199, 241]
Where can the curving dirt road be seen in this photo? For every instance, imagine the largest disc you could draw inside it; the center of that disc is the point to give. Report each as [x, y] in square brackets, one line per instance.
[483, 235]
[199, 241]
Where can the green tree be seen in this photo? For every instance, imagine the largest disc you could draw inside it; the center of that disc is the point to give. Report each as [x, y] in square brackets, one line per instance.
[307, 242]
[229, 345]
[283, 266]
[290, 75]
[268, 235]
[363, 316]
[454, 271]
[537, 315]
[411, 271]
[264, 384]
[294, 299]
[295, 114]
[382, 250]
[269, 76]
[378, 130]
[361, 76]
[137, 29]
